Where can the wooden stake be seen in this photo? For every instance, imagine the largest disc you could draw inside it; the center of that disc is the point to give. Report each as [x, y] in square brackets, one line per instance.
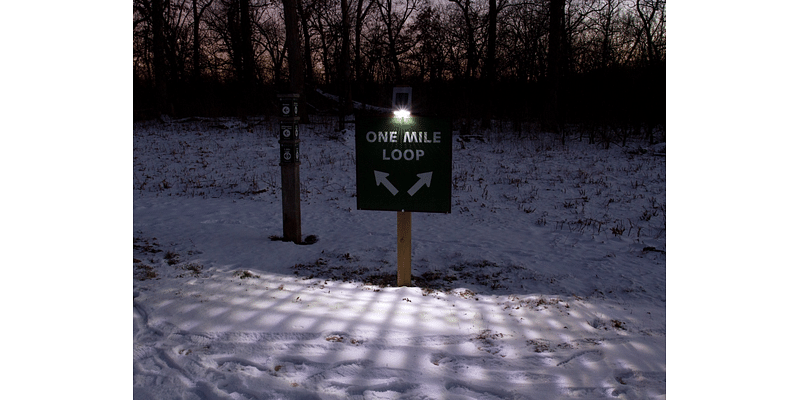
[403, 248]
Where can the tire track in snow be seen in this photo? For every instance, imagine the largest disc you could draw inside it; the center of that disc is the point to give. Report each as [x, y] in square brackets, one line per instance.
[583, 356]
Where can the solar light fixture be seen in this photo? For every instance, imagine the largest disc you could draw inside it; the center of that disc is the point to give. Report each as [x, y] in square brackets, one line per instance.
[401, 102]
[402, 114]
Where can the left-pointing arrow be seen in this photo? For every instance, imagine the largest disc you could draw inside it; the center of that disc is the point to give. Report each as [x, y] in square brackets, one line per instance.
[380, 177]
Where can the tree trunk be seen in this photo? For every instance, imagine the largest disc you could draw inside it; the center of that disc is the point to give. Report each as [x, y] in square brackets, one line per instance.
[398, 75]
[472, 52]
[359, 24]
[489, 69]
[159, 58]
[246, 41]
[323, 44]
[608, 35]
[234, 28]
[472, 49]
[554, 63]
[346, 106]
[195, 43]
[306, 43]
[647, 22]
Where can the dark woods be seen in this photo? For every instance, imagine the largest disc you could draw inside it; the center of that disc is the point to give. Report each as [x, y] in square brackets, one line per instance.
[550, 62]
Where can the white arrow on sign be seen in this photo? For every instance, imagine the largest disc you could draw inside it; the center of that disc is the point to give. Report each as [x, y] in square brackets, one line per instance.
[380, 177]
[424, 179]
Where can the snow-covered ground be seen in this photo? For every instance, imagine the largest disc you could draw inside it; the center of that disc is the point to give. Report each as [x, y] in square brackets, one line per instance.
[547, 280]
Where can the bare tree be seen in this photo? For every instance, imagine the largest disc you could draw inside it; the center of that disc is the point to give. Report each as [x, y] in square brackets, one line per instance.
[346, 105]
[159, 56]
[524, 49]
[429, 35]
[272, 38]
[469, 24]
[490, 65]
[197, 16]
[489, 75]
[303, 11]
[142, 40]
[325, 20]
[647, 11]
[163, 30]
[361, 14]
[248, 73]
[388, 17]
[239, 33]
[554, 61]
[394, 21]
[606, 19]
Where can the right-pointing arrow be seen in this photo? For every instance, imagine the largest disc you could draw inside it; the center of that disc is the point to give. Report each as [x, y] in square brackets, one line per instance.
[380, 177]
[424, 179]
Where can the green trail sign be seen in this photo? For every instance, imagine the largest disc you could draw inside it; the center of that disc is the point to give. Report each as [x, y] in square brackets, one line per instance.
[404, 164]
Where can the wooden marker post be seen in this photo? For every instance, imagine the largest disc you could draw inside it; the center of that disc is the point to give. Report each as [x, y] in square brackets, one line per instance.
[289, 142]
[403, 248]
[290, 182]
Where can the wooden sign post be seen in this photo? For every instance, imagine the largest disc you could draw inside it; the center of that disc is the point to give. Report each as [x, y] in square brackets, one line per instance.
[403, 248]
[404, 163]
[289, 142]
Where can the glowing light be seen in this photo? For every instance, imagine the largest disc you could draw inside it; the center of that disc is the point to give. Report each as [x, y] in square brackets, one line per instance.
[402, 114]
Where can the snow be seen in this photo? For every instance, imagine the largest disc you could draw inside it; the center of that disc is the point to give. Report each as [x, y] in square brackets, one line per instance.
[548, 279]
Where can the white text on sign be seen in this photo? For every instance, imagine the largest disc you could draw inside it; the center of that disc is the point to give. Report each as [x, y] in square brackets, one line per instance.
[407, 154]
[407, 137]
